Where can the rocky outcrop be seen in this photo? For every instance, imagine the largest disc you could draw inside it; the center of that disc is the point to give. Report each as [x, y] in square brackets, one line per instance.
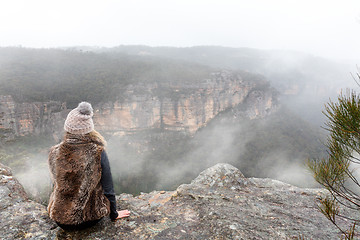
[219, 204]
[20, 218]
[172, 106]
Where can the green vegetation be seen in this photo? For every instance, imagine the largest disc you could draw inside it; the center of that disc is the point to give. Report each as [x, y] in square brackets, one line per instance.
[338, 172]
[73, 76]
[18, 152]
[282, 68]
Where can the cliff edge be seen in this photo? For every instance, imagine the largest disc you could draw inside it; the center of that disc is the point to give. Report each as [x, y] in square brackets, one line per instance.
[219, 204]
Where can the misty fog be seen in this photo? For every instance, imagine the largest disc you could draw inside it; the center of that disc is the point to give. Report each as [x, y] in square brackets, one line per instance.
[323, 28]
[138, 165]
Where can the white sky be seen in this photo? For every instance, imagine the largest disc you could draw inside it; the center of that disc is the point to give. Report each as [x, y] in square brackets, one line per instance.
[325, 28]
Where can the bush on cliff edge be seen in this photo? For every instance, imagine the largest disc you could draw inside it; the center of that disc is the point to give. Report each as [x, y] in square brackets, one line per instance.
[338, 172]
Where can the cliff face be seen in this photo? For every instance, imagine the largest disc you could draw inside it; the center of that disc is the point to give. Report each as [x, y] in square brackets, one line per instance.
[185, 107]
[178, 107]
[219, 204]
[20, 119]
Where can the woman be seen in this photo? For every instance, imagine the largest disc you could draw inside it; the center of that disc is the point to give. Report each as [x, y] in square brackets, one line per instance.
[83, 190]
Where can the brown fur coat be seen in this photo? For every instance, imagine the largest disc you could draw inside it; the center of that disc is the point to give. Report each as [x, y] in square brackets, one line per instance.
[75, 167]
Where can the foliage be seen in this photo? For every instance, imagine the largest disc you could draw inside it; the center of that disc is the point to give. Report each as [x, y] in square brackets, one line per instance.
[16, 153]
[72, 76]
[337, 173]
[282, 68]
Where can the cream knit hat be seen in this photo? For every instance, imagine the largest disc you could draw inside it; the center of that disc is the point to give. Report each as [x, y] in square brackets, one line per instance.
[79, 120]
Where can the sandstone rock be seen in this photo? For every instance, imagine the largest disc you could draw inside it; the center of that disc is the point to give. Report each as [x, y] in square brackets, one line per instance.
[21, 218]
[221, 175]
[20, 119]
[183, 107]
[219, 204]
[4, 170]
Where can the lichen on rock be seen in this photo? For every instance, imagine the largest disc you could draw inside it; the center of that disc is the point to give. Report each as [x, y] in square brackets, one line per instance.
[221, 175]
[20, 218]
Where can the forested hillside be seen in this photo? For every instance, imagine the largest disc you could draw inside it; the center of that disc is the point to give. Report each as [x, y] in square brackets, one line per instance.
[282, 68]
[72, 76]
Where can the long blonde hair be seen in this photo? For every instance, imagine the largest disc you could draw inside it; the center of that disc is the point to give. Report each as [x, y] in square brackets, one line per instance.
[93, 136]
[96, 135]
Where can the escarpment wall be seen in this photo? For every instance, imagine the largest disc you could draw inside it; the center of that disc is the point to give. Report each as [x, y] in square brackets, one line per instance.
[177, 107]
[20, 119]
[185, 107]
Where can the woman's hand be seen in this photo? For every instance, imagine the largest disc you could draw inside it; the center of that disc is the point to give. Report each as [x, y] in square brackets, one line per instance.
[123, 214]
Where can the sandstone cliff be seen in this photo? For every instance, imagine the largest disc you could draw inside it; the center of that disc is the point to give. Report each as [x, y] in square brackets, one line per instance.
[184, 107]
[20, 119]
[179, 107]
[219, 204]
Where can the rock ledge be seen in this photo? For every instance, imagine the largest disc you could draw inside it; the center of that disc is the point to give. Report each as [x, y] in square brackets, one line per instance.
[219, 204]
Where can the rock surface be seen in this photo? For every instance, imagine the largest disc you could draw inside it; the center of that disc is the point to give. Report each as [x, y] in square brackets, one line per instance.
[20, 218]
[219, 204]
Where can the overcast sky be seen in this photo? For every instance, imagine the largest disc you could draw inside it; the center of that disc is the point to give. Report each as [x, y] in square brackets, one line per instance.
[324, 28]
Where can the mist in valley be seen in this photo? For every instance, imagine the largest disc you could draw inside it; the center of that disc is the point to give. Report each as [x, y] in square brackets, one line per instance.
[276, 146]
[306, 51]
[156, 160]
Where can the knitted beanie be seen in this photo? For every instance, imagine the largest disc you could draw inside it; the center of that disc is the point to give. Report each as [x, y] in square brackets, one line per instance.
[79, 120]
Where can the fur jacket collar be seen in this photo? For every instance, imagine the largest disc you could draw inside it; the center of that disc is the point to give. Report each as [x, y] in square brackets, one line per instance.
[75, 167]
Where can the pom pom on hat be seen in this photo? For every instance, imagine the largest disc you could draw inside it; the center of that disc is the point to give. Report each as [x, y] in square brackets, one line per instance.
[79, 120]
[85, 108]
